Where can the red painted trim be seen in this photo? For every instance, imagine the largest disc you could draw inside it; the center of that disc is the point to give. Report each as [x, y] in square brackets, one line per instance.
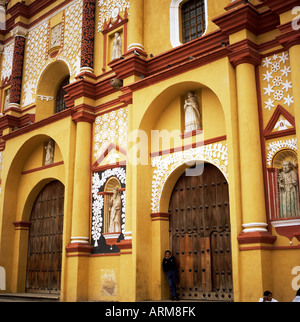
[242, 248]
[270, 126]
[247, 17]
[43, 168]
[256, 237]
[288, 231]
[28, 128]
[244, 52]
[189, 146]
[160, 216]
[22, 225]
[279, 6]
[79, 248]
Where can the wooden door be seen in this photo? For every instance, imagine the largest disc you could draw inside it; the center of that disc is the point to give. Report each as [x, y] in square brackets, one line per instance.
[200, 236]
[45, 240]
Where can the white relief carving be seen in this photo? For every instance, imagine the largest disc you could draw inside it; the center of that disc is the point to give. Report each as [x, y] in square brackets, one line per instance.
[282, 124]
[7, 61]
[110, 128]
[165, 165]
[36, 59]
[98, 200]
[109, 9]
[276, 72]
[276, 146]
[45, 98]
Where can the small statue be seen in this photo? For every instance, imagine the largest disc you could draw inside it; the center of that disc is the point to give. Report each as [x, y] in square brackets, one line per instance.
[115, 212]
[117, 47]
[7, 99]
[288, 191]
[192, 113]
[49, 158]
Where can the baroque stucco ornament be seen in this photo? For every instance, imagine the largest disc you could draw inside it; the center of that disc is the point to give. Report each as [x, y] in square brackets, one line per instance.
[164, 166]
[99, 181]
[110, 9]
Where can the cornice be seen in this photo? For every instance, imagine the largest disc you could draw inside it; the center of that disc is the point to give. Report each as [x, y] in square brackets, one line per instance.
[83, 113]
[281, 6]
[244, 52]
[289, 37]
[247, 17]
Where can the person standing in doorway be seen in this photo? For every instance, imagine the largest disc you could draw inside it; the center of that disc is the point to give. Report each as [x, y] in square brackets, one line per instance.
[169, 266]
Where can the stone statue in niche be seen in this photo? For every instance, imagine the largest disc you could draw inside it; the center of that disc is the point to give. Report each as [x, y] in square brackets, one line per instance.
[49, 157]
[115, 212]
[192, 113]
[117, 47]
[55, 36]
[288, 191]
[7, 98]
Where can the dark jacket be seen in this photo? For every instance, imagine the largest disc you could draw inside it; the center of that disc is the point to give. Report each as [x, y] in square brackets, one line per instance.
[169, 264]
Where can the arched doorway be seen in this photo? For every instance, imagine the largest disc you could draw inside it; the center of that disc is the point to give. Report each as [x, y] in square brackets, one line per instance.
[200, 236]
[45, 240]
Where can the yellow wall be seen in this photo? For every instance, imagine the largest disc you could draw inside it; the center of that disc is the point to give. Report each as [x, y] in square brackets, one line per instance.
[228, 102]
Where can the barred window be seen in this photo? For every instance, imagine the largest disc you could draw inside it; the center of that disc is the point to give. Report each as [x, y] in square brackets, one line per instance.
[60, 97]
[193, 20]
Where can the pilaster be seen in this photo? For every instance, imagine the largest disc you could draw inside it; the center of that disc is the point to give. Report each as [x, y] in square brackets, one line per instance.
[19, 33]
[88, 29]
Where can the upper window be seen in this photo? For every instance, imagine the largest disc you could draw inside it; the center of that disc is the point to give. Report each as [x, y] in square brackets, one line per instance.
[188, 20]
[193, 20]
[60, 97]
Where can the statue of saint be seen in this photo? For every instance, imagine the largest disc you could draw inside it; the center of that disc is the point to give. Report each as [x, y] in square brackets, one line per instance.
[7, 98]
[192, 113]
[117, 47]
[49, 158]
[288, 191]
[115, 211]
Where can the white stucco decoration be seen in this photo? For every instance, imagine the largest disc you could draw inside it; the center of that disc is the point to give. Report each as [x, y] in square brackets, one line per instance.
[165, 165]
[276, 146]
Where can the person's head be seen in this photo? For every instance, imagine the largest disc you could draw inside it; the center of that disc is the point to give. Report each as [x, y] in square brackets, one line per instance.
[298, 292]
[268, 295]
[168, 254]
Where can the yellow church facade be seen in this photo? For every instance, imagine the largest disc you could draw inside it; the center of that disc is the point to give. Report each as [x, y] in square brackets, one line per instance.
[129, 127]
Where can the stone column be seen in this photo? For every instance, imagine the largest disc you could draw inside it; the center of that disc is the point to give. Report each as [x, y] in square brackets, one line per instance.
[87, 42]
[82, 180]
[252, 183]
[294, 53]
[135, 25]
[17, 67]
[79, 247]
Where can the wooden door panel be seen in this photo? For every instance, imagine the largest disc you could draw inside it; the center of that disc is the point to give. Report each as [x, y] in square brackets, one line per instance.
[45, 241]
[200, 235]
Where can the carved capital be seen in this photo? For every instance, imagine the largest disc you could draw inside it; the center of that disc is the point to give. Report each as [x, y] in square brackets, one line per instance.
[19, 31]
[83, 113]
[244, 52]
